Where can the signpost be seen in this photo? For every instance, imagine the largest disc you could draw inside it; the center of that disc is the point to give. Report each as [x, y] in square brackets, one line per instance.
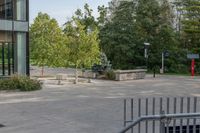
[193, 57]
[163, 63]
[146, 46]
[164, 54]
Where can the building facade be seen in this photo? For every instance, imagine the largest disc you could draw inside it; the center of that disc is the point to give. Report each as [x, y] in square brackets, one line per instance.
[14, 37]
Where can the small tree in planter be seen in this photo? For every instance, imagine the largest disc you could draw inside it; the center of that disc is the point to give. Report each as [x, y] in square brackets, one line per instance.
[83, 45]
[105, 63]
[105, 68]
[46, 40]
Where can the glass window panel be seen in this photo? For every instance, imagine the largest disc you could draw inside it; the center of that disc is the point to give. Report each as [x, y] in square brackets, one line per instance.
[21, 10]
[6, 57]
[6, 10]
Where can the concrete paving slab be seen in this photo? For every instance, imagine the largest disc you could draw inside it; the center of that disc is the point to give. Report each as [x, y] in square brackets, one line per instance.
[84, 108]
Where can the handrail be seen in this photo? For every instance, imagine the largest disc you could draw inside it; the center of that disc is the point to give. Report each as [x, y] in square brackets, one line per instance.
[160, 117]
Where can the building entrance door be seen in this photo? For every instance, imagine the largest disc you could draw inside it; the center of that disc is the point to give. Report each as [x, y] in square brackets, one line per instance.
[6, 59]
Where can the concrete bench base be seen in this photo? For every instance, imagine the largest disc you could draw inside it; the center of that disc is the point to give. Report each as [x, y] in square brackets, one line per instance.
[61, 76]
[123, 75]
[89, 74]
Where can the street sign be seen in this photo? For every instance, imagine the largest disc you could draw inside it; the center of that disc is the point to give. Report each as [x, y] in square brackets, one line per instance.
[193, 56]
[166, 53]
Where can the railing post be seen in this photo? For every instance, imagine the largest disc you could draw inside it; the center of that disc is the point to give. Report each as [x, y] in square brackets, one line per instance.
[162, 123]
[162, 126]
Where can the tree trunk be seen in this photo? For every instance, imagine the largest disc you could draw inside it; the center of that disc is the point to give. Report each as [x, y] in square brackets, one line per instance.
[76, 75]
[42, 71]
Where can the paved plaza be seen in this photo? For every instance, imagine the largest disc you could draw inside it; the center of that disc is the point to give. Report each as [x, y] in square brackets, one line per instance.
[84, 108]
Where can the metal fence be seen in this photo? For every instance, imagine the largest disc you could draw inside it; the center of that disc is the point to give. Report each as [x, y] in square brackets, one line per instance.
[158, 109]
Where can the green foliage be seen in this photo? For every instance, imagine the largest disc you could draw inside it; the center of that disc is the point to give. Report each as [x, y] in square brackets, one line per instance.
[189, 31]
[190, 12]
[177, 62]
[81, 34]
[86, 18]
[46, 41]
[117, 37]
[83, 45]
[105, 63]
[110, 75]
[120, 32]
[154, 25]
[102, 19]
[133, 23]
[83, 42]
[20, 83]
[103, 66]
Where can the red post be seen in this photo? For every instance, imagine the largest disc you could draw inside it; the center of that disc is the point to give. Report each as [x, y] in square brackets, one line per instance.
[192, 67]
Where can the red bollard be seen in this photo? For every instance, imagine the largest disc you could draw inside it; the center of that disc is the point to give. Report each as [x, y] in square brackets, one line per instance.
[192, 67]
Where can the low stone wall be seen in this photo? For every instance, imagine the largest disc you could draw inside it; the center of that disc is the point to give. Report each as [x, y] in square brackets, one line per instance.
[89, 74]
[61, 76]
[123, 75]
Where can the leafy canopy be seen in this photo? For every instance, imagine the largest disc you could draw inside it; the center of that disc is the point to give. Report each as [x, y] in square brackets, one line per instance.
[46, 39]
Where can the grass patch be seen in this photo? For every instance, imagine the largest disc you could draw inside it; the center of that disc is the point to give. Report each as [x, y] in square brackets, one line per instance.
[178, 74]
[174, 74]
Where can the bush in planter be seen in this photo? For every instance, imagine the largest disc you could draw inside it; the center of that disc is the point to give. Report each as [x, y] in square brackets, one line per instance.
[104, 66]
[21, 83]
[110, 75]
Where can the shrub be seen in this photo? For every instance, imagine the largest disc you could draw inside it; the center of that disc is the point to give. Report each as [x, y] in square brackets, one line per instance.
[21, 83]
[104, 65]
[110, 75]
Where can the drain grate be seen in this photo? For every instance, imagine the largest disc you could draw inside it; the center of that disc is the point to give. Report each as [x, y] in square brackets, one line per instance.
[1, 125]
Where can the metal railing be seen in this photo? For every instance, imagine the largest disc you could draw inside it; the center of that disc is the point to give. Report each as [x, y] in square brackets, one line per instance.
[159, 108]
[164, 118]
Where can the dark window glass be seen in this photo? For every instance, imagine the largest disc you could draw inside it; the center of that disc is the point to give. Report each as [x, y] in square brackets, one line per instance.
[6, 53]
[6, 9]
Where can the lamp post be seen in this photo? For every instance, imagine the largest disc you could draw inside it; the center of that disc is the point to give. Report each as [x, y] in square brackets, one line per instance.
[146, 46]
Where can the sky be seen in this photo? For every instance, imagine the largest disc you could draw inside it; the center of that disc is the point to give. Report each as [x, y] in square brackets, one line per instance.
[62, 10]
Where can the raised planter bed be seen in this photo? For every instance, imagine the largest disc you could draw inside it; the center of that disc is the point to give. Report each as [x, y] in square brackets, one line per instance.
[123, 75]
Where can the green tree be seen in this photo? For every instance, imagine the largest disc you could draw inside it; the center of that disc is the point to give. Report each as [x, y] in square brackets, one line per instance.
[102, 19]
[154, 22]
[83, 45]
[190, 20]
[130, 24]
[118, 38]
[45, 39]
[190, 26]
[86, 18]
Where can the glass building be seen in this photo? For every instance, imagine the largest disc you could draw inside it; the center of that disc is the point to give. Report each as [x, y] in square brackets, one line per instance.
[14, 37]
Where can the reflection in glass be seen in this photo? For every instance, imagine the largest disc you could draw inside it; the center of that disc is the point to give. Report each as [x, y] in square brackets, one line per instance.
[6, 9]
[21, 10]
[18, 7]
[6, 53]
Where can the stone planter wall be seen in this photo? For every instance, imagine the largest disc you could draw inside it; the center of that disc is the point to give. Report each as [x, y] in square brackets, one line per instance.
[89, 74]
[123, 75]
